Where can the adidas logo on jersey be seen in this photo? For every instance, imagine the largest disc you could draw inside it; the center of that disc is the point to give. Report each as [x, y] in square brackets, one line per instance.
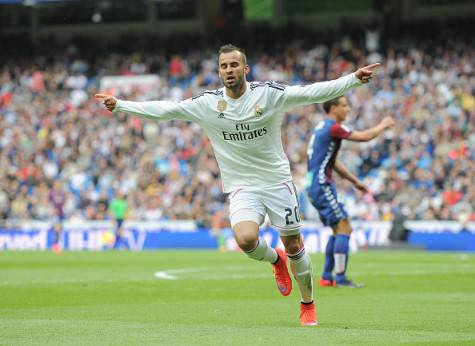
[221, 116]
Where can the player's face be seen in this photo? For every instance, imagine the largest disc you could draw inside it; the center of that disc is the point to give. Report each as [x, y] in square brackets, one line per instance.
[342, 109]
[232, 70]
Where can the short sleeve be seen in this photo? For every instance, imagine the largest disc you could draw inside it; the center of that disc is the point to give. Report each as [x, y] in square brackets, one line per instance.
[339, 131]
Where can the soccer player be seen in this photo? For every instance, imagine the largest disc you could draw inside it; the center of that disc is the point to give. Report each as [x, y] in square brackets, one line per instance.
[243, 122]
[118, 208]
[322, 160]
[57, 198]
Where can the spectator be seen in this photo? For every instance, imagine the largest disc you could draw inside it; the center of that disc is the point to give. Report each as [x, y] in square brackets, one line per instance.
[50, 131]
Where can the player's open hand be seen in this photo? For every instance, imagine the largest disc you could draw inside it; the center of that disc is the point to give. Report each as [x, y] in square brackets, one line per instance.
[365, 74]
[108, 100]
[388, 122]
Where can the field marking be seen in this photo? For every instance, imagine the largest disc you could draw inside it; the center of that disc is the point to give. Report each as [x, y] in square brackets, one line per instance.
[165, 276]
[169, 274]
[216, 273]
[238, 273]
[210, 273]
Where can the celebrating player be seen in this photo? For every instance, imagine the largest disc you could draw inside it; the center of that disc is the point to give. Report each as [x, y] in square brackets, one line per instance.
[322, 152]
[243, 122]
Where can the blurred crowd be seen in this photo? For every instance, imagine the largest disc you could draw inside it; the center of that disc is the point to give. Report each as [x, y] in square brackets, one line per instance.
[62, 154]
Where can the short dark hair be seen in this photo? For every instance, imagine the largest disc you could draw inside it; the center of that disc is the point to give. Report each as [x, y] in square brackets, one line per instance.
[227, 48]
[333, 102]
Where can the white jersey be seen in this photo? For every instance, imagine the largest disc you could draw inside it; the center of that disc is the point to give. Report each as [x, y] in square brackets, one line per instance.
[244, 132]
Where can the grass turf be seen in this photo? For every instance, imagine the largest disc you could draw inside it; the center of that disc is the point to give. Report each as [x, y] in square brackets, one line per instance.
[212, 298]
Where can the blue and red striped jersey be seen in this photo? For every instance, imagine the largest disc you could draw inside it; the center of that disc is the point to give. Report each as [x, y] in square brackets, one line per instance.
[322, 151]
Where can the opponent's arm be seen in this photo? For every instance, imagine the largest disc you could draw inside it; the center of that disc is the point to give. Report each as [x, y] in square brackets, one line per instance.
[324, 91]
[369, 134]
[340, 168]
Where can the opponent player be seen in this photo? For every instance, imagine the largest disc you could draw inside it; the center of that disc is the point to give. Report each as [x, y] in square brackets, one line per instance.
[322, 152]
[243, 122]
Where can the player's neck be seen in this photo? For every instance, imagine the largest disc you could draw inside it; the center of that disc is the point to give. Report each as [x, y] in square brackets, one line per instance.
[236, 93]
[333, 117]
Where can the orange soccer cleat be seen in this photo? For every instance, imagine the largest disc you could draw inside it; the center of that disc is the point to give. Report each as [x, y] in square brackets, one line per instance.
[308, 314]
[282, 276]
[327, 283]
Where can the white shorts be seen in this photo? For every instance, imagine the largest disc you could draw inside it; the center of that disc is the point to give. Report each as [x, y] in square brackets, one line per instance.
[279, 202]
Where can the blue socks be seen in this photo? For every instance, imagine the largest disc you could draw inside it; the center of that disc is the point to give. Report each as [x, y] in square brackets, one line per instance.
[341, 250]
[329, 259]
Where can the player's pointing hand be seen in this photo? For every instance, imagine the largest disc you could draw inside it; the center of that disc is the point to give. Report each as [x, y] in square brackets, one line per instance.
[108, 100]
[365, 74]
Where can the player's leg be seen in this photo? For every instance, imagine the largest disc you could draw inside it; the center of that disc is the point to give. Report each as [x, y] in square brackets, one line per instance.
[284, 213]
[118, 234]
[245, 225]
[246, 234]
[341, 254]
[319, 199]
[121, 234]
[58, 230]
[300, 264]
[341, 248]
[56, 239]
[334, 214]
[302, 269]
[329, 263]
[247, 212]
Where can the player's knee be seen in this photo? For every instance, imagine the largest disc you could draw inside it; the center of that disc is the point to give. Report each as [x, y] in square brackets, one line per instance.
[246, 241]
[293, 245]
[343, 227]
[346, 231]
[246, 234]
[293, 248]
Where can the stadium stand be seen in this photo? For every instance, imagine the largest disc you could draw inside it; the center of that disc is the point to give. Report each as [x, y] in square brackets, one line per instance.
[51, 128]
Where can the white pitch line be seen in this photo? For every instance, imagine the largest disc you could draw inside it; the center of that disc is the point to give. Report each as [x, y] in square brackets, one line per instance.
[169, 274]
[235, 273]
[165, 276]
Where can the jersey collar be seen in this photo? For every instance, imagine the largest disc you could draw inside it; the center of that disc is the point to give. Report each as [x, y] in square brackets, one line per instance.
[242, 97]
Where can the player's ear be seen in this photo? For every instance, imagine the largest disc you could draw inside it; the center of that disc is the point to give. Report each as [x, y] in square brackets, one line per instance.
[247, 69]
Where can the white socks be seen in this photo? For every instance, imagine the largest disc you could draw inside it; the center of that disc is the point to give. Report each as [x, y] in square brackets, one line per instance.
[262, 252]
[301, 266]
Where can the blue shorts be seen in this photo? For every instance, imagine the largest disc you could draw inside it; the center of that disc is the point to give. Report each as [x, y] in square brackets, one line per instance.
[323, 198]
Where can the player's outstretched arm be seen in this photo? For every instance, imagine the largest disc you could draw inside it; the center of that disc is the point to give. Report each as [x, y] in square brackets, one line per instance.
[369, 134]
[298, 95]
[157, 110]
[340, 168]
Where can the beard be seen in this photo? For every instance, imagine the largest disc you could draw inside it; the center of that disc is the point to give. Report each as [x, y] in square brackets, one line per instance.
[234, 84]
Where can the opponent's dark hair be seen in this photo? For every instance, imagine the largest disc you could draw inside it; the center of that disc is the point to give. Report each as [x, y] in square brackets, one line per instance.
[227, 48]
[333, 102]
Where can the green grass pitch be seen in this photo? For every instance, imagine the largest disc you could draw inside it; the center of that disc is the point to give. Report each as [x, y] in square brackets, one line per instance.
[212, 298]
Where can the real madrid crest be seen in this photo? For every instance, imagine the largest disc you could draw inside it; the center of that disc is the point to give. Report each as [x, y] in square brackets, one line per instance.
[258, 111]
[222, 105]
